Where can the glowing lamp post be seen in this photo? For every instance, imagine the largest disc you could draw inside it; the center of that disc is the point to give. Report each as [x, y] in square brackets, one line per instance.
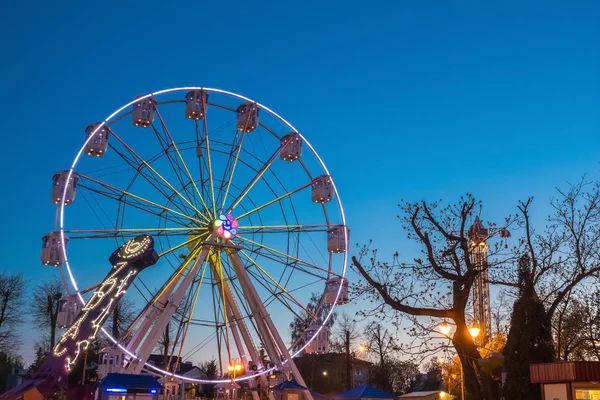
[234, 368]
[445, 328]
[474, 331]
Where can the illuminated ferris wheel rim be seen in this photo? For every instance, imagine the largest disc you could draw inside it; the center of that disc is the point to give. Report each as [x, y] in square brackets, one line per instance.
[280, 118]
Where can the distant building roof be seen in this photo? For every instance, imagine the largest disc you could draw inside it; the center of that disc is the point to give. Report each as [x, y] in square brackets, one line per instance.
[130, 381]
[420, 394]
[364, 392]
[289, 385]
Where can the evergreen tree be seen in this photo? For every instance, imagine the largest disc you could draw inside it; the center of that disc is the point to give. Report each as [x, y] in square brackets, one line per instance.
[529, 340]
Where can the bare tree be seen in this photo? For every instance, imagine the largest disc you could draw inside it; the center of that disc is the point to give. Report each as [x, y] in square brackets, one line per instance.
[567, 252]
[123, 316]
[45, 306]
[345, 330]
[577, 326]
[436, 286]
[402, 374]
[501, 310]
[12, 296]
[382, 346]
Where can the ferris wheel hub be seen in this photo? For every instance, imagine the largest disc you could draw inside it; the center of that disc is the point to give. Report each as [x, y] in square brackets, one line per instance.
[225, 227]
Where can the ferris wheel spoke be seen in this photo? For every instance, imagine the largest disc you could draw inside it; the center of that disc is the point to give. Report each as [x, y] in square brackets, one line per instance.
[275, 200]
[217, 265]
[238, 293]
[295, 266]
[274, 282]
[252, 229]
[193, 239]
[253, 181]
[146, 201]
[185, 167]
[286, 256]
[156, 183]
[177, 169]
[209, 167]
[193, 307]
[147, 165]
[127, 232]
[234, 164]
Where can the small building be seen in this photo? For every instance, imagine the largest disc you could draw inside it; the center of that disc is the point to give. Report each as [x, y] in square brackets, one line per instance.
[567, 380]
[289, 390]
[119, 386]
[363, 392]
[16, 377]
[327, 373]
[426, 395]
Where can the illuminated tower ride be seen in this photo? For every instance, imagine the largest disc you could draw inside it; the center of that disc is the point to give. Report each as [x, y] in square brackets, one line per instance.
[482, 315]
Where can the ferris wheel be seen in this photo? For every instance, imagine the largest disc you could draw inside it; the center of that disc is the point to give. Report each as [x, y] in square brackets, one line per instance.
[245, 217]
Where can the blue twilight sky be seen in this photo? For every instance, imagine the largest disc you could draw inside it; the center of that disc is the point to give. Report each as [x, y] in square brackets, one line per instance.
[402, 99]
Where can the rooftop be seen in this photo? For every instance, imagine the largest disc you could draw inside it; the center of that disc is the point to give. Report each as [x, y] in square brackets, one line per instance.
[130, 381]
[364, 392]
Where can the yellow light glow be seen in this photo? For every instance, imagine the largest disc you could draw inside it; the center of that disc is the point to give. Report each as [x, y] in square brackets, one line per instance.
[445, 328]
[362, 348]
[474, 331]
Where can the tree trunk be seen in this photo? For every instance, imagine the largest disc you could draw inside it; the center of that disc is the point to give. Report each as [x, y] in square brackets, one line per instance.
[115, 322]
[348, 362]
[478, 384]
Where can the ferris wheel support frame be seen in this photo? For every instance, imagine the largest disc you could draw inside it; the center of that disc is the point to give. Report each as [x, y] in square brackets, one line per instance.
[153, 314]
[264, 322]
[136, 366]
[237, 324]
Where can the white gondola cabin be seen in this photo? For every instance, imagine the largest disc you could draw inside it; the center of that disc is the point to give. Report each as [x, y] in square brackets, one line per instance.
[322, 189]
[247, 117]
[195, 104]
[62, 184]
[111, 361]
[68, 310]
[291, 147]
[320, 344]
[52, 252]
[143, 112]
[97, 145]
[337, 239]
[331, 290]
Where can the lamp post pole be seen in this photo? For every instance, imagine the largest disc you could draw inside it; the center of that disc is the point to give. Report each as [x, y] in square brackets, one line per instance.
[348, 362]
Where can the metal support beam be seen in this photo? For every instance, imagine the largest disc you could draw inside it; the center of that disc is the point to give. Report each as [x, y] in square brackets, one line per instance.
[237, 323]
[264, 322]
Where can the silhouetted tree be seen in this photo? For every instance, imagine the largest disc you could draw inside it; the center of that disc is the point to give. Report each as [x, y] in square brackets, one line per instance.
[45, 306]
[211, 370]
[12, 296]
[529, 340]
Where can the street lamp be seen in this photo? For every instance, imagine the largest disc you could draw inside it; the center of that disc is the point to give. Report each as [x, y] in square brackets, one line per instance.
[234, 368]
[474, 331]
[445, 328]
